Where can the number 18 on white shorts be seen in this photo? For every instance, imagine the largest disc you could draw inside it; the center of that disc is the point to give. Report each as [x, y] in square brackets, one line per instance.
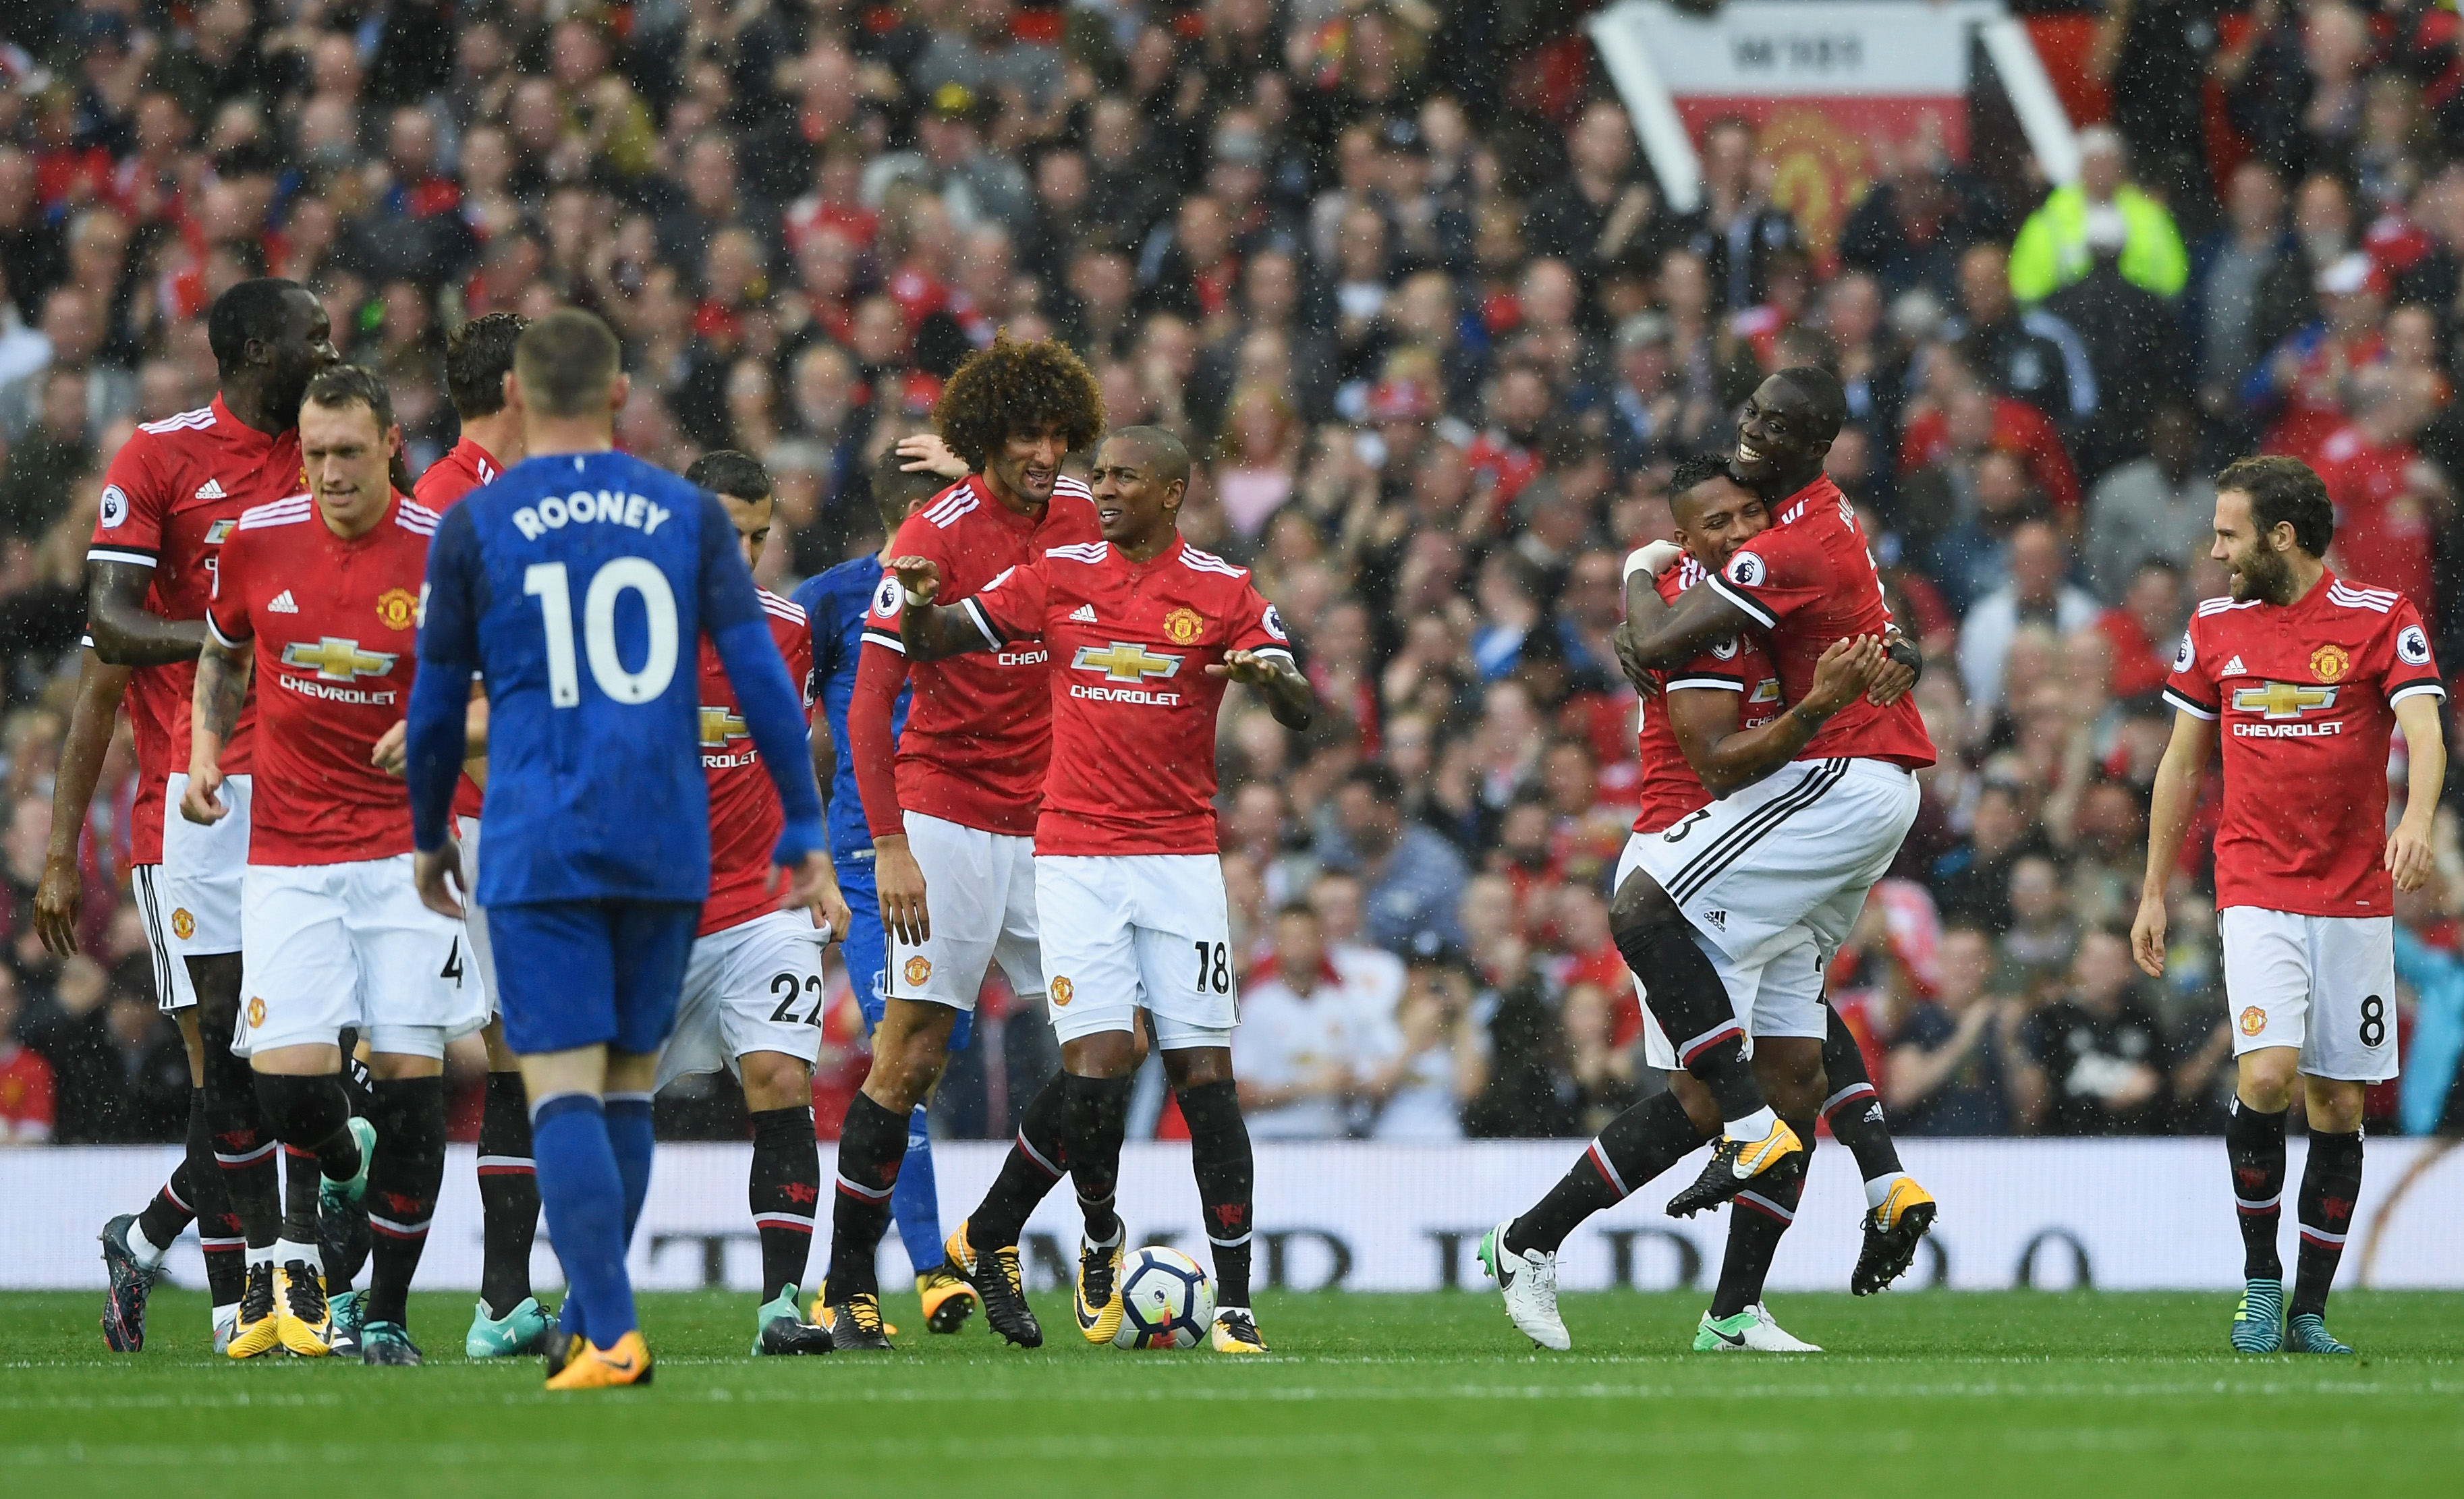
[323, 946]
[755, 986]
[1125, 932]
[2326, 985]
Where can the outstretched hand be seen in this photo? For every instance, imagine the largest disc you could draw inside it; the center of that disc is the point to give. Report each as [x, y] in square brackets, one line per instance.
[919, 575]
[925, 452]
[1246, 665]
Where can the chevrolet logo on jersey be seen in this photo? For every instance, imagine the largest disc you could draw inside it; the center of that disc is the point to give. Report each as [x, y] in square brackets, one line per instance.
[339, 660]
[1125, 662]
[720, 726]
[2282, 700]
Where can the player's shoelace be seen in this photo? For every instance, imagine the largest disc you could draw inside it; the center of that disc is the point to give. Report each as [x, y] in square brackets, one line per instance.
[997, 1279]
[855, 1324]
[1239, 1326]
[304, 1297]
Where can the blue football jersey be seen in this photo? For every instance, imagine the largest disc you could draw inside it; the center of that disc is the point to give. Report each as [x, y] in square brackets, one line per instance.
[579, 587]
[835, 602]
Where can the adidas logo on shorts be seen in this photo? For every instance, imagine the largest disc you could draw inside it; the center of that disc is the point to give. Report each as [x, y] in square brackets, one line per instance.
[1719, 919]
[282, 603]
[1084, 614]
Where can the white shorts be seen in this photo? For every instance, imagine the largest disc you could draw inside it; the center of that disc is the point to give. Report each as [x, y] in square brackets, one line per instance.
[173, 989]
[979, 893]
[756, 987]
[330, 945]
[202, 866]
[1798, 849]
[474, 919]
[1130, 931]
[1780, 994]
[2326, 985]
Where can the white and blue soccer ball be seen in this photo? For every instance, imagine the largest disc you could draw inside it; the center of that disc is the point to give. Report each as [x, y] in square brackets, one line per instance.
[1166, 1300]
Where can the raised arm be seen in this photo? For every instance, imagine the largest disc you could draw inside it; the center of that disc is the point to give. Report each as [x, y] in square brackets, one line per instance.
[1704, 718]
[929, 631]
[1658, 635]
[62, 891]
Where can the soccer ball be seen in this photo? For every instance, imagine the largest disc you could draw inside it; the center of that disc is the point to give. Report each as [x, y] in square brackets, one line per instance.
[1166, 1301]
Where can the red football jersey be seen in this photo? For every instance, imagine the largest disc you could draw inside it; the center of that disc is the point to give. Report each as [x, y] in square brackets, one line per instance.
[1668, 786]
[1133, 707]
[980, 726]
[745, 816]
[467, 467]
[1808, 580]
[2383, 528]
[2306, 694]
[336, 630]
[170, 501]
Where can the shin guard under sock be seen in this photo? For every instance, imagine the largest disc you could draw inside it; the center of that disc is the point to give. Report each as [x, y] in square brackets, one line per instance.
[508, 1200]
[403, 1183]
[2331, 1184]
[1226, 1170]
[915, 1201]
[782, 1190]
[581, 1195]
[2254, 1146]
[872, 1145]
[1756, 1220]
[1037, 1158]
[1637, 1146]
[1854, 1110]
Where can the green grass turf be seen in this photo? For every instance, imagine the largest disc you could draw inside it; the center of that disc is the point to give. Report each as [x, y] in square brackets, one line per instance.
[2007, 1395]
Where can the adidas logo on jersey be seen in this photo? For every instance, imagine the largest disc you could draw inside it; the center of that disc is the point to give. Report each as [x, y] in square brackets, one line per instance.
[1084, 614]
[2234, 667]
[283, 604]
[211, 489]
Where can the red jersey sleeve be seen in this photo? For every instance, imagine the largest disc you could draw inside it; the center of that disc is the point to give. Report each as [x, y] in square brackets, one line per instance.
[872, 744]
[2191, 685]
[1011, 607]
[227, 612]
[1770, 578]
[1261, 629]
[1715, 669]
[135, 503]
[2406, 663]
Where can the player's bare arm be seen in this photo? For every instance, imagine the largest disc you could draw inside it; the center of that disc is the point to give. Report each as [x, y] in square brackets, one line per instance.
[214, 709]
[61, 895]
[930, 631]
[1657, 634]
[1285, 689]
[1704, 719]
[2411, 850]
[925, 452]
[125, 632]
[2168, 822]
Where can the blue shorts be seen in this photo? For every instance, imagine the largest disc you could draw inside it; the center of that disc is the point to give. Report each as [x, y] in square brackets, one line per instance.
[866, 949]
[588, 973]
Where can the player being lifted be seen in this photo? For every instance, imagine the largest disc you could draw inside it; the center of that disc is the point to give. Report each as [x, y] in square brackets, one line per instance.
[837, 602]
[1144, 632]
[951, 798]
[573, 586]
[317, 597]
[478, 363]
[169, 501]
[1801, 848]
[752, 999]
[2307, 673]
[1716, 725]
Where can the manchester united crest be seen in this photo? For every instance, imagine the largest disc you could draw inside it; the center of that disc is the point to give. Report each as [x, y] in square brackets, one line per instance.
[184, 926]
[1183, 626]
[1062, 990]
[2254, 1020]
[2330, 663]
[918, 969]
[397, 607]
[256, 1012]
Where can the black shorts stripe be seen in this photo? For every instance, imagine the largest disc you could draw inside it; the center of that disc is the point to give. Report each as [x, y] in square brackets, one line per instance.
[1707, 865]
[149, 910]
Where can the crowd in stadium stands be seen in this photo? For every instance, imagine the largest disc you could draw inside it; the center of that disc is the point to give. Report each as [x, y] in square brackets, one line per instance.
[1439, 338]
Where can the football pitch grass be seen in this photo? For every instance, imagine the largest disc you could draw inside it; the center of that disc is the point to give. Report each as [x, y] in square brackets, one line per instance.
[1367, 1396]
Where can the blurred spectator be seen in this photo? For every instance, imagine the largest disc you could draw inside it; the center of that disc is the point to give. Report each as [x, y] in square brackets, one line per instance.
[1410, 879]
[2159, 507]
[2095, 1059]
[1952, 1056]
[1309, 1033]
[2029, 355]
[2056, 247]
[1430, 1054]
[27, 1096]
[2228, 279]
[2038, 592]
